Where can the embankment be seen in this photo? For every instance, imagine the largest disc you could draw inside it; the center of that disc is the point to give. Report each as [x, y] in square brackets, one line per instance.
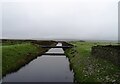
[19, 54]
[89, 69]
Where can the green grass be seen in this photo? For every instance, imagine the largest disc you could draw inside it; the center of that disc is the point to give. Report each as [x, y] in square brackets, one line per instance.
[88, 68]
[15, 56]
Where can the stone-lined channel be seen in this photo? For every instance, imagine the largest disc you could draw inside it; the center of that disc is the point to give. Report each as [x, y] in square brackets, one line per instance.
[46, 68]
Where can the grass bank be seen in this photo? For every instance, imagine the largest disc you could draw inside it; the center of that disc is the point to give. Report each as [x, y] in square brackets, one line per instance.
[16, 54]
[88, 68]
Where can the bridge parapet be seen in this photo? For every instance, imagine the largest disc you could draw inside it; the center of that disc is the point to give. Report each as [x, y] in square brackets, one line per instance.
[56, 46]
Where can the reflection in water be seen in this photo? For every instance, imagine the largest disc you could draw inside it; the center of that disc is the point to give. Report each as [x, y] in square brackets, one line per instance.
[59, 44]
[44, 69]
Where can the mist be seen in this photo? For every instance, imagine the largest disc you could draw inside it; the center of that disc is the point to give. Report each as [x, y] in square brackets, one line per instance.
[60, 19]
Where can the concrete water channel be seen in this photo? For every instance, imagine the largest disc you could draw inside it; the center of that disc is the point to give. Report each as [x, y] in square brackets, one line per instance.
[46, 68]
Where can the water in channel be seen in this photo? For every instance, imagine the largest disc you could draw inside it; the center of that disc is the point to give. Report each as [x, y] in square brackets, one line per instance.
[45, 68]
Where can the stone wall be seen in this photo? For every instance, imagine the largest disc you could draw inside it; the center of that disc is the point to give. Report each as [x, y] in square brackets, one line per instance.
[110, 53]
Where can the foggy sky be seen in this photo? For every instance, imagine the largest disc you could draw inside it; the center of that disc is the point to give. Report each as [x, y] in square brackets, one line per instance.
[60, 19]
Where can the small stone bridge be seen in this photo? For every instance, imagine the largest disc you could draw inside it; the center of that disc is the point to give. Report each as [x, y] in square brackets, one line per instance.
[56, 46]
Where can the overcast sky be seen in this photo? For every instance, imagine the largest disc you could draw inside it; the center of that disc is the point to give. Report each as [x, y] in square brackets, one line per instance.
[60, 19]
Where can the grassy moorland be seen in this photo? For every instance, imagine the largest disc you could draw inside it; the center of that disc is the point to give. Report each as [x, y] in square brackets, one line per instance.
[17, 54]
[88, 68]
[13, 42]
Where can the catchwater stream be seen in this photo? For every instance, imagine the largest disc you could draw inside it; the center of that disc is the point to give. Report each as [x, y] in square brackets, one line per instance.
[46, 68]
